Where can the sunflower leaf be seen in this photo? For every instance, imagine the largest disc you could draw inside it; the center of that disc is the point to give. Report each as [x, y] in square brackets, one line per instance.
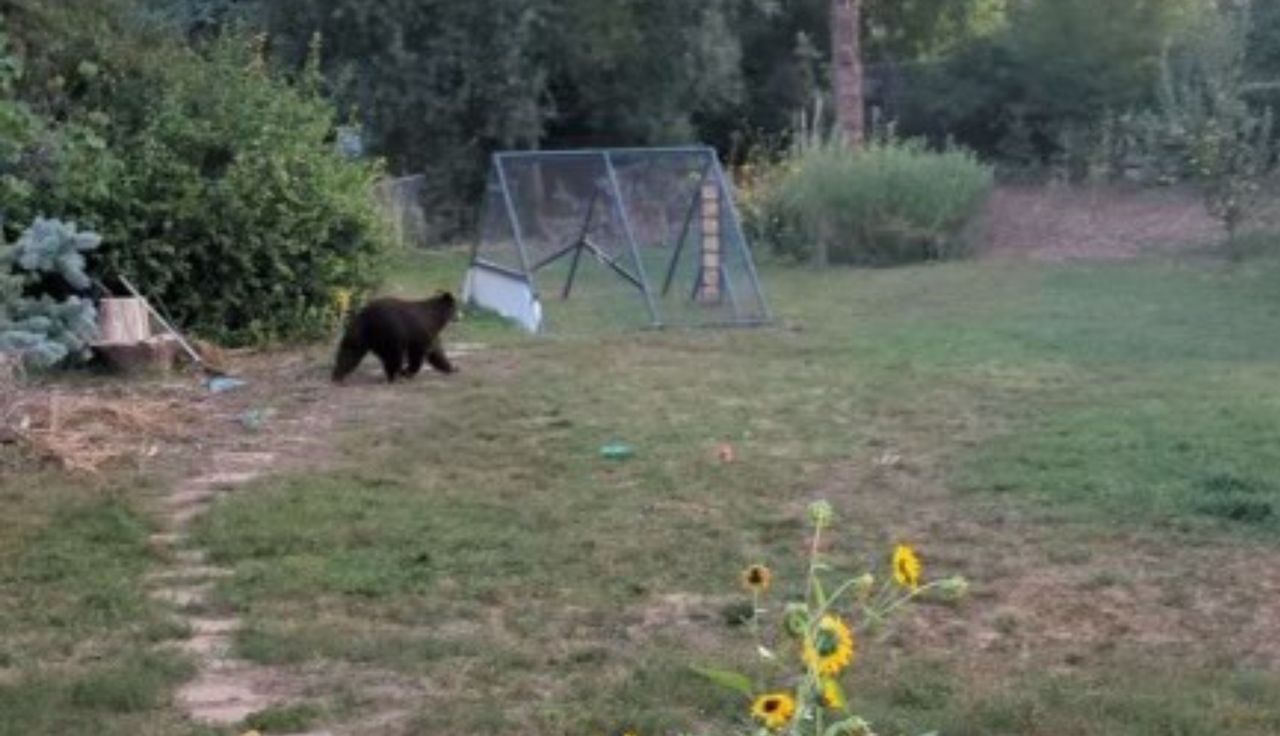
[728, 680]
[848, 727]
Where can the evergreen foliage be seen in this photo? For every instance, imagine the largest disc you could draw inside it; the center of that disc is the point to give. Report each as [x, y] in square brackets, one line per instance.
[42, 330]
[56, 247]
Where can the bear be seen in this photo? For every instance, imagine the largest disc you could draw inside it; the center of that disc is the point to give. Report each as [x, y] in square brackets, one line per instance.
[401, 333]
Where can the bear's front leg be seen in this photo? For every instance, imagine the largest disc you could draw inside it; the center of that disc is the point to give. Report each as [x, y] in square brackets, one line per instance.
[392, 360]
[437, 359]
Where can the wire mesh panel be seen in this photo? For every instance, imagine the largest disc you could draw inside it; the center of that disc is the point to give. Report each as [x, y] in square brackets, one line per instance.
[401, 201]
[619, 238]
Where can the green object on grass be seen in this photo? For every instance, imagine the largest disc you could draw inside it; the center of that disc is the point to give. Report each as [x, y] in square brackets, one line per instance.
[617, 451]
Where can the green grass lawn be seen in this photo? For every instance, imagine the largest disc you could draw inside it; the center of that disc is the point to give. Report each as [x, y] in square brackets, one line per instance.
[76, 627]
[1091, 444]
[480, 544]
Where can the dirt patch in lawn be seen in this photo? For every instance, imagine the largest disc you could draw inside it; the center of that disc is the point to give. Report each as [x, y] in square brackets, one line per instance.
[1059, 223]
[1052, 594]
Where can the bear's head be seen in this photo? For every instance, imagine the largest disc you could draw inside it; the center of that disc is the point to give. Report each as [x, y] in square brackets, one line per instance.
[445, 302]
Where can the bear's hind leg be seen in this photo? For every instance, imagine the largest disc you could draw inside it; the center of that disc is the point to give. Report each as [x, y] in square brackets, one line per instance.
[350, 353]
[415, 355]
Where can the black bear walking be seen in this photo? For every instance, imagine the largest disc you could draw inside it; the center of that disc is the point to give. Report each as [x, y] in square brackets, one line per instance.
[401, 333]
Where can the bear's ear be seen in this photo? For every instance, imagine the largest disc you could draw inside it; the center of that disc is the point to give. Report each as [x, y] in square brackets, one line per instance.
[446, 297]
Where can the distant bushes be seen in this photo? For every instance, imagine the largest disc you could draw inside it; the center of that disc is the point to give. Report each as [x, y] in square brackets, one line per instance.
[887, 203]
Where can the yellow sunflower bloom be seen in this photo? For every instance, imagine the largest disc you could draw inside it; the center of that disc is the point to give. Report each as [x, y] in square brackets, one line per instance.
[906, 567]
[774, 710]
[831, 647]
[342, 301]
[757, 578]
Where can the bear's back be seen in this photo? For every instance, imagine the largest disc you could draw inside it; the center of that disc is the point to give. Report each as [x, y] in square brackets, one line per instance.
[389, 318]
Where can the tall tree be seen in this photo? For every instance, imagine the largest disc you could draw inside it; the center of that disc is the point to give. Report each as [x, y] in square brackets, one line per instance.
[846, 47]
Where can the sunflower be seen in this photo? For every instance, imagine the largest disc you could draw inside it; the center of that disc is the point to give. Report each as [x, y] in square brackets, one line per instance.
[906, 567]
[342, 301]
[757, 578]
[831, 647]
[774, 710]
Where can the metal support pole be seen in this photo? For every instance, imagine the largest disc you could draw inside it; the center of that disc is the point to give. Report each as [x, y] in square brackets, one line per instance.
[515, 224]
[684, 233]
[726, 190]
[655, 320]
[582, 238]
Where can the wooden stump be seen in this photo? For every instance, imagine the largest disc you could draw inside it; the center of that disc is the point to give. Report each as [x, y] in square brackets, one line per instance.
[155, 354]
[123, 321]
[125, 341]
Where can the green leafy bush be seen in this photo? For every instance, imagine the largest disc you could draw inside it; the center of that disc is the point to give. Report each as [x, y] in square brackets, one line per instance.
[767, 215]
[889, 202]
[17, 128]
[227, 201]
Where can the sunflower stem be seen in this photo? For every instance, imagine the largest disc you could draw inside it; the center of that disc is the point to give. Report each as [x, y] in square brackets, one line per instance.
[908, 598]
[815, 586]
[831, 600]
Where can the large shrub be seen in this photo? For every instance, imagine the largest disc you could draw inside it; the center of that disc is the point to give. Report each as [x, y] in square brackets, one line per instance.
[886, 203]
[219, 190]
[18, 127]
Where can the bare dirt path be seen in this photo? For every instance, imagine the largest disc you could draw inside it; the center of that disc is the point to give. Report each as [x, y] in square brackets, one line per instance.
[301, 415]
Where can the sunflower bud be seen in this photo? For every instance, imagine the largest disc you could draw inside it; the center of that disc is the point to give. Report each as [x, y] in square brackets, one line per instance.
[795, 620]
[820, 513]
[831, 695]
[863, 585]
[953, 588]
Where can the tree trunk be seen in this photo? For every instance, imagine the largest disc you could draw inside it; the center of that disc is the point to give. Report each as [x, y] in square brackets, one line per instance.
[846, 55]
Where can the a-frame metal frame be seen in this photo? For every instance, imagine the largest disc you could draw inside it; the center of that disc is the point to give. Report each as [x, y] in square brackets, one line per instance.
[610, 191]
